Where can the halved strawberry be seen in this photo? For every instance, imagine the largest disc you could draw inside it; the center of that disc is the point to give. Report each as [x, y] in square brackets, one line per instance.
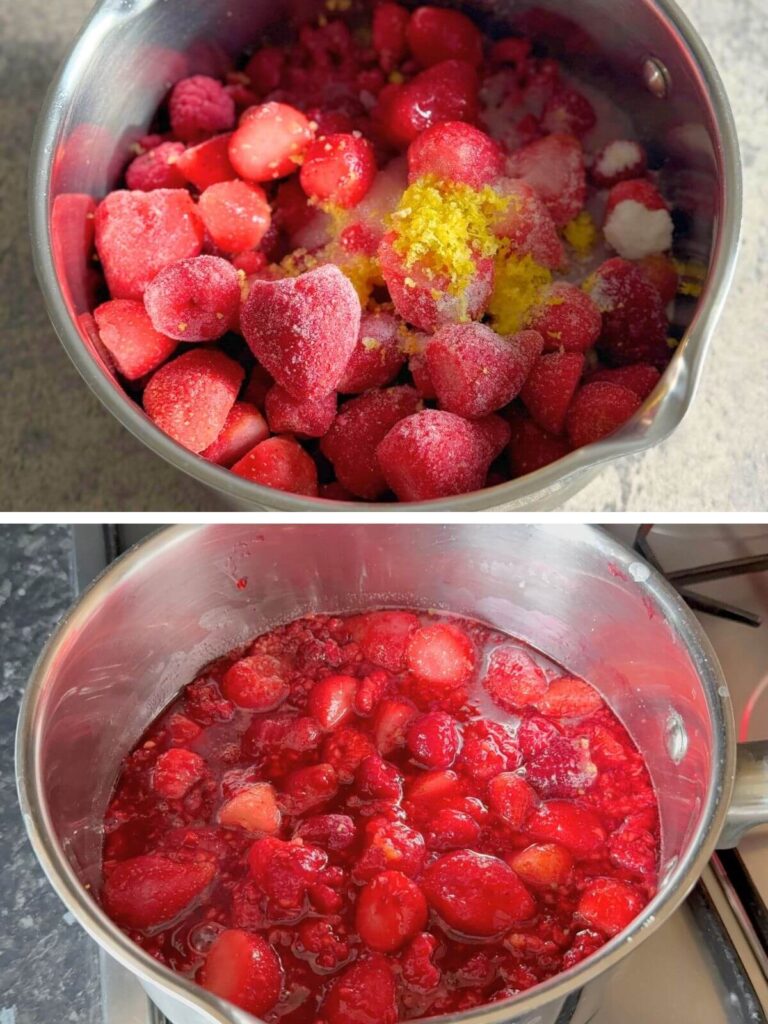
[442, 655]
[254, 809]
[390, 724]
[543, 864]
[609, 905]
[390, 910]
[383, 637]
[511, 798]
[243, 968]
[331, 700]
[243, 429]
[149, 890]
[207, 163]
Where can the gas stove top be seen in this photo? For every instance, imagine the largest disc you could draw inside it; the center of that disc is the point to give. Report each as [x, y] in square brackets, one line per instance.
[709, 962]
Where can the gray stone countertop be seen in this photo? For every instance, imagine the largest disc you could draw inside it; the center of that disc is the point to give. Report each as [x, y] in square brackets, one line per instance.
[62, 450]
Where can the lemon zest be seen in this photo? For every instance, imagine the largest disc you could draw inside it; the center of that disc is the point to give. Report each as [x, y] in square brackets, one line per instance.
[518, 283]
[581, 233]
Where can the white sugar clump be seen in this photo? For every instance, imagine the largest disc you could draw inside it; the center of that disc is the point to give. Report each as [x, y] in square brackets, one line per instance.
[617, 157]
[634, 231]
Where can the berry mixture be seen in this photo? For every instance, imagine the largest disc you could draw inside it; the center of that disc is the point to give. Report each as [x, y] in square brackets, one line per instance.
[379, 817]
[387, 258]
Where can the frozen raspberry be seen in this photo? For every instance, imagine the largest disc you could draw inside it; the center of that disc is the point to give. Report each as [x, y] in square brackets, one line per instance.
[236, 215]
[585, 943]
[207, 163]
[258, 683]
[620, 160]
[243, 428]
[148, 891]
[392, 846]
[435, 454]
[369, 982]
[489, 748]
[450, 829]
[475, 371]
[598, 410]
[200, 106]
[634, 848]
[418, 970]
[156, 169]
[435, 34]
[511, 798]
[253, 808]
[390, 22]
[338, 169]
[243, 968]
[318, 938]
[352, 441]
[181, 730]
[176, 771]
[660, 270]
[476, 894]
[331, 700]
[444, 92]
[311, 787]
[265, 69]
[433, 739]
[204, 703]
[528, 224]
[194, 300]
[455, 151]
[562, 768]
[191, 397]
[335, 833]
[530, 447]
[140, 233]
[281, 463]
[569, 697]
[345, 750]
[276, 744]
[309, 417]
[608, 905]
[549, 390]
[441, 655]
[554, 166]
[285, 872]
[128, 335]
[513, 679]
[576, 828]
[303, 330]
[634, 321]
[543, 864]
[391, 910]
[568, 112]
[566, 318]
[390, 724]
[637, 220]
[269, 142]
[377, 356]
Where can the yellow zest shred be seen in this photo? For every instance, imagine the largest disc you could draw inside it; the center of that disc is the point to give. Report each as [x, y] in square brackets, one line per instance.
[691, 277]
[581, 233]
[370, 344]
[518, 283]
[365, 274]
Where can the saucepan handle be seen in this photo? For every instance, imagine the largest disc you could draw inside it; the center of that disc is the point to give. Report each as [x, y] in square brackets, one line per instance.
[749, 804]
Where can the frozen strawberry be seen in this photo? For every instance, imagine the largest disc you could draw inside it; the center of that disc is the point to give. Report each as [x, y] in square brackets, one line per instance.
[352, 441]
[236, 215]
[390, 724]
[554, 167]
[377, 356]
[417, 365]
[444, 92]
[550, 387]
[637, 220]
[254, 809]
[566, 318]
[451, 829]
[258, 683]
[265, 68]
[148, 891]
[338, 169]
[528, 224]
[598, 410]
[259, 383]
[309, 417]
[200, 106]
[140, 233]
[530, 447]
[511, 798]
[194, 300]
[330, 701]
[391, 909]
[157, 168]
[207, 163]
[303, 330]
[390, 22]
[576, 828]
[368, 983]
[435, 34]
[455, 151]
[620, 160]
[191, 397]
[243, 428]
[568, 112]
[634, 321]
[176, 771]
[269, 142]
[638, 377]
[609, 905]
[569, 697]
[661, 271]
[308, 788]
[543, 864]
[475, 371]
[476, 894]
[243, 968]
[433, 739]
[128, 335]
[441, 655]
[435, 454]
[282, 463]
[383, 637]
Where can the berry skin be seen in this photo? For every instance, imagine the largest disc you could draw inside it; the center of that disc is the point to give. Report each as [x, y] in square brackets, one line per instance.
[634, 320]
[176, 771]
[147, 891]
[543, 864]
[269, 142]
[243, 968]
[433, 739]
[243, 428]
[191, 397]
[441, 655]
[554, 166]
[608, 905]
[368, 983]
[236, 215]
[377, 356]
[330, 701]
[444, 92]
[390, 22]
[158, 168]
[476, 894]
[207, 163]
[281, 463]
[377, 779]
[530, 447]
[566, 317]
[127, 334]
[569, 697]
[598, 410]
[391, 909]
[253, 809]
[455, 151]
[200, 106]
[435, 34]
[513, 679]
[308, 417]
[194, 300]
[560, 821]
[550, 387]
[338, 169]
[511, 798]
[257, 683]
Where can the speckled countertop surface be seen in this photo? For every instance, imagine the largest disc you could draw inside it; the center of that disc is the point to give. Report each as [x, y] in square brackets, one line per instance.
[62, 450]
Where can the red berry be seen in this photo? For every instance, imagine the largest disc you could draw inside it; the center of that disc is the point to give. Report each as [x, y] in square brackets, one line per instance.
[435, 34]
[303, 330]
[149, 891]
[281, 463]
[128, 335]
[258, 385]
[310, 787]
[634, 320]
[157, 168]
[560, 821]
[568, 112]
[543, 864]
[638, 377]
[390, 22]
[269, 142]
[257, 683]
[585, 943]
[392, 846]
[243, 968]
[417, 365]
[450, 829]
[285, 872]
[338, 169]
[418, 970]
[489, 748]
[598, 410]
[377, 356]
[660, 270]
[569, 697]
[207, 163]
[253, 809]
[444, 92]
[236, 215]
[176, 771]
[620, 160]
[265, 69]
[334, 832]
[513, 679]
[476, 894]
[309, 417]
[566, 317]
[345, 750]
[554, 166]
[243, 428]
[511, 798]
[549, 390]
[430, 792]
[367, 983]
[609, 905]
[190, 397]
[637, 220]
[390, 724]
[200, 106]
[433, 739]
[510, 50]
[391, 909]
[383, 637]
[528, 224]
[194, 300]
[330, 701]
[530, 447]
[455, 151]
[379, 780]
[441, 655]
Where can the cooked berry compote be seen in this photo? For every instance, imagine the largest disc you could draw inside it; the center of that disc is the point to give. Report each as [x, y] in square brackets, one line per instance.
[387, 258]
[381, 817]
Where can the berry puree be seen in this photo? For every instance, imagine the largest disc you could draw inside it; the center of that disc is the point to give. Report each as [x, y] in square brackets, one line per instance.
[379, 817]
[388, 258]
